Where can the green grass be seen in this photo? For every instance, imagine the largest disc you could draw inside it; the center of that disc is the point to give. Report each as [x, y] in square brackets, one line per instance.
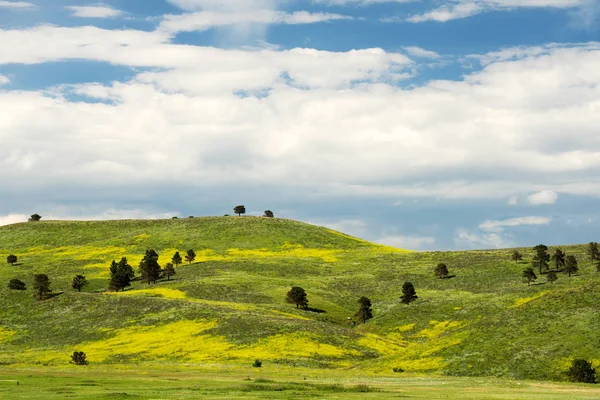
[228, 308]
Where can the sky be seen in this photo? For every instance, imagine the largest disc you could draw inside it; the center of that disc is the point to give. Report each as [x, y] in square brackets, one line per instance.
[421, 124]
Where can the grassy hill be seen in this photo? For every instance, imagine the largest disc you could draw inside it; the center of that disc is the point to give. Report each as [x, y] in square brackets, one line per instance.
[228, 307]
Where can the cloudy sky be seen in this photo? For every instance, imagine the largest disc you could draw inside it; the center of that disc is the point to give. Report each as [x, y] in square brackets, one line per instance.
[424, 124]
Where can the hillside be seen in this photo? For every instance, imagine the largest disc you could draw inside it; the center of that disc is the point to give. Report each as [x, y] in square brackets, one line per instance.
[228, 307]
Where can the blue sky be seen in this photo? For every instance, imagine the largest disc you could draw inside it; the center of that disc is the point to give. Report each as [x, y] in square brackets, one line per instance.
[443, 124]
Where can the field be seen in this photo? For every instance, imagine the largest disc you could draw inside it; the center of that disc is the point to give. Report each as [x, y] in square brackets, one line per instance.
[227, 308]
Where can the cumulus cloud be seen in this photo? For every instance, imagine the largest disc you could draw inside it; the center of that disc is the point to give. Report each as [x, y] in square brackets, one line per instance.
[543, 197]
[474, 240]
[17, 5]
[67, 214]
[4, 80]
[94, 11]
[421, 53]
[513, 201]
[499, 225]
[407, 242]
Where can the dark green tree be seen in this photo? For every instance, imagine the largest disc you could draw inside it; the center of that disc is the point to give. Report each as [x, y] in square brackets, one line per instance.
[529, 275]
[169, 271]
[571, 265]
[190, 257]
[582, 371]
[593, 251]
[541, 258]
[365, 312]
[239, 210]
[16, 284]
[516, 256]
[121, 274]
[149, 267]
[12, 259]
[79, 358]
[559, 259]
[35, 218]
[551, 276]
[297, 296]
[41, 285]
[598, 265]
[408, 293]
[441, 271]
[269, 214]
[176, 260]
[79, 282]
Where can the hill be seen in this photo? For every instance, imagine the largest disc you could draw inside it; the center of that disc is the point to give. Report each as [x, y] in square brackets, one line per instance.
[228, 307]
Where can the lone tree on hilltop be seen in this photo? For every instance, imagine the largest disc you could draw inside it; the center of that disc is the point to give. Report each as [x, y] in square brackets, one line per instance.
[541, 258]
[239, 210]
[441, 271]
[41, 285]
[35, 218]
[269, 214]
[297, 296]
[529, 275]
[559, 259]
[409, 293]
[551, 276]
[176, 260]
[169, 271]
[79, 282]
[365, 312]
[16, 284]
[582, 371]
[571, 265]
[593, 251]
[149, 267]
[79, 358]
[190, 257]
[121, 274]
[516, 256]
[12, 259]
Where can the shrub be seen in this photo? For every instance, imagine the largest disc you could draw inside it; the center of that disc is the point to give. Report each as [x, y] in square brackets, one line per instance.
[582, 371]
[16, 284]
[398, 369]
[257, 363]
[79, 358]
[12, 259]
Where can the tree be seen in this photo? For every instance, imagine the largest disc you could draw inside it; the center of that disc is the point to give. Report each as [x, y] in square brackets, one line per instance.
[149, 267]
[571, 265]
[365, 311]
[441, 271]
[16, 284]
[169, 271]
[176, 259]
[541, 258]
[593, 251]
[598, 265]
[516, 256]
[121, 274]
[408, 293]
[190, 257]
[239, 210]
[297, 296]
[79, 358]
[41, 285]
[582, 371]
[559, 259]
[12, 259]
[529, 275]
[35, 218]
[269, 214]
[79, 282]
[551, 276]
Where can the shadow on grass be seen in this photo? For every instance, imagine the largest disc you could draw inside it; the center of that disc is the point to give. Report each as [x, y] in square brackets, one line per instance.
[315, 310]
[52, 295]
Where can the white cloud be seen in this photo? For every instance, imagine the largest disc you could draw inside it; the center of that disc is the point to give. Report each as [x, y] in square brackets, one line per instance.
[421, 53]
[225, 5]
[4, 80]
[513, 201]
[16, 5]
[66, 213]
[94, 11]
[543, 197]
[407, 242]
[358, 2]
[474, 240]
[499, 225]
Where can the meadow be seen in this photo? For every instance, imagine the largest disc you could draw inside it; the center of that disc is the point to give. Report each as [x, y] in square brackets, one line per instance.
[208, 324]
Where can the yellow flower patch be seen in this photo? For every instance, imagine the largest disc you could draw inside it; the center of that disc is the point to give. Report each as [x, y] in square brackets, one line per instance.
[6, 335]
[437, 329]
[159, 292]
[525, 300]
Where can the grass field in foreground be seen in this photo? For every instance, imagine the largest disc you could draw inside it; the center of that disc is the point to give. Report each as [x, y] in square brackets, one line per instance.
[253, 383]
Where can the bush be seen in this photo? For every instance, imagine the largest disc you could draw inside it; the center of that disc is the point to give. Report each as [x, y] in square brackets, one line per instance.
[257, 363]
[582, 371]
[398, 369]
[79, 358]
[16, 284]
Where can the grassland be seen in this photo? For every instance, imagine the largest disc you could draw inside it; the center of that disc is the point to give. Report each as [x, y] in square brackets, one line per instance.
[227, 309]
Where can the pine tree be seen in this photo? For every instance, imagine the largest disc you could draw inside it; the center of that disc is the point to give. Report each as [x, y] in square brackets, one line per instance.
[593, 251]
[365, 312]
[121, 274]
[169, 271]
[441, 271]
[176, 260]
[239, 210]
[529, 275]
[149, 267]
[190, 257]
[269, 214]
[516, 256]
[79, 282]
[408, 293]
[541, 258]
[571, 265]
[559, 259]
[551, 276]
[297, 296]
[582, 371]
[41, 285]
